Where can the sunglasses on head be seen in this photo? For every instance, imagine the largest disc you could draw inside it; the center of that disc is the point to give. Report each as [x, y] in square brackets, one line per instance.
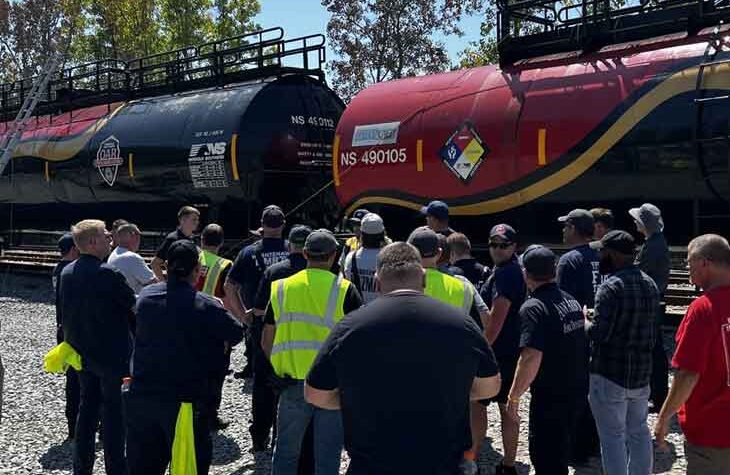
[500, 245]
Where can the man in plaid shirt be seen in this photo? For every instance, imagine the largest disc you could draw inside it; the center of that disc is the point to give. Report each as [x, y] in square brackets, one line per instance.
[621, 333]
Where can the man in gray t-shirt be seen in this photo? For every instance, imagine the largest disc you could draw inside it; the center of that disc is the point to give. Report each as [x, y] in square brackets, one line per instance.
[126, 260]
[360, 264]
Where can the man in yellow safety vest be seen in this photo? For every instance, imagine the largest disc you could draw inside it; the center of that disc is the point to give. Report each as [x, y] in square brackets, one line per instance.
[302, 311]
[213, 272]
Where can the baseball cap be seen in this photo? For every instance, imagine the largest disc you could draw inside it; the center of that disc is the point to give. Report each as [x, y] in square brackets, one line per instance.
[648, 216]
[182, 257]
[617, 240]
[272, 217]
[320, 242]
[358, 215]
[437, 209]
[539, 261]
[298, 234]
[65, 243]
[582, 219]
[505, 231]
[425, 240]
[372, 224]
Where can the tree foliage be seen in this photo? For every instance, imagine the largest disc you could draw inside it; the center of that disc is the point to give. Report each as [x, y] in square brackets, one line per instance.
[379, 40]
[89, 30]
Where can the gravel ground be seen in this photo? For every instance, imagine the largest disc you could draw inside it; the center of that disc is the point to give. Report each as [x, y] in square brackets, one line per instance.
[33, 428]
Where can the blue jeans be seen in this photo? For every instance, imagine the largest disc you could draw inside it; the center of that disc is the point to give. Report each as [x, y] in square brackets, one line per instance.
[621, 415]
[294, 416]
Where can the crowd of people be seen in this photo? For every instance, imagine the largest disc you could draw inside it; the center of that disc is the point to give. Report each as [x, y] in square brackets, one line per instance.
[393, 350]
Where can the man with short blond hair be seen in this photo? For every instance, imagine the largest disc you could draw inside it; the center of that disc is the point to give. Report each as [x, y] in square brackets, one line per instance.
[97, 305]
[700, 391]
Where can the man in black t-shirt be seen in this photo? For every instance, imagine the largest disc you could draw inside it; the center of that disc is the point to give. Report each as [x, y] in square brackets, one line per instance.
[461, 258]
[188, 219]
[504, 293]
[551, 364]
[403, 369]
[577, 271]
[69, 253]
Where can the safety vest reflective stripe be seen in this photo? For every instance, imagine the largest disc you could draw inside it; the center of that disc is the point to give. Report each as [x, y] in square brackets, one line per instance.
[296, 345]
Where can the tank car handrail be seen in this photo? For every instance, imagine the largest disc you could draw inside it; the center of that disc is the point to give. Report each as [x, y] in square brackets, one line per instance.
[258, 33]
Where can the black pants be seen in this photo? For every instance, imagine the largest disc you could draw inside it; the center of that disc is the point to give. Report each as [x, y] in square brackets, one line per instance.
[99, 394]
[151, 432]
[72, 400]
[660, 366]
[249, 346]
[553, 421]
[263, 399]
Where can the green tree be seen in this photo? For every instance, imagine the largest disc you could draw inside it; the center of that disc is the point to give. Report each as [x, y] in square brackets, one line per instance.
[186, 22]
[379, 40]
[235, 17]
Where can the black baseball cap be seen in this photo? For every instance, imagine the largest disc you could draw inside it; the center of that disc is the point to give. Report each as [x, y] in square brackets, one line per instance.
[320, 242]
[582, 219]
[66, 243]
[617, 240]
[358, 215]
[298, 234]
[425, 240]
[539, 261]
[437, 209]
[182, 257]
[505, 231]
[272, 217]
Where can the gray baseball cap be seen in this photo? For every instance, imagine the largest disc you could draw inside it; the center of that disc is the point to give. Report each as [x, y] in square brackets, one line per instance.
[582, 219]
[320, 242]
[425, 240]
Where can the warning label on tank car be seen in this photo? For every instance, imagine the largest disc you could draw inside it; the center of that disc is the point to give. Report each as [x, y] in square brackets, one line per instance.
[464, 152]
[315, 154]
[207, 165]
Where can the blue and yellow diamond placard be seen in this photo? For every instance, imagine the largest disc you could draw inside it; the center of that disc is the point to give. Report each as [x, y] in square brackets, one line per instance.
[464, 152]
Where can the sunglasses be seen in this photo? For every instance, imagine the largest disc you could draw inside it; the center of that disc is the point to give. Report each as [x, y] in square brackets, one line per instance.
[500, 245]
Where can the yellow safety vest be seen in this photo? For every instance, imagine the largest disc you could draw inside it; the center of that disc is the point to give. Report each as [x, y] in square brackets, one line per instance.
[449, 290]
[306, 307]
[215, 265]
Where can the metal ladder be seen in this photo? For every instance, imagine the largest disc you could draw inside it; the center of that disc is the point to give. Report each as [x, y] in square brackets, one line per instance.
[16, 129]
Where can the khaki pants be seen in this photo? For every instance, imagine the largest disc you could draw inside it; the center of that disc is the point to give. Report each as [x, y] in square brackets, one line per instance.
[707, 460]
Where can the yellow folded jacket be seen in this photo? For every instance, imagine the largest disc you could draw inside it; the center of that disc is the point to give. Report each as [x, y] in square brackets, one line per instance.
[60, 358]
[183, 447]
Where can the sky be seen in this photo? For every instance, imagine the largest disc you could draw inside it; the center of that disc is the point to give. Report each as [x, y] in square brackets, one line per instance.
[306, 17]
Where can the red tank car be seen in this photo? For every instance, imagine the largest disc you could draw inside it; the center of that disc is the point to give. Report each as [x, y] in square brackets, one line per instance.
[616, 127]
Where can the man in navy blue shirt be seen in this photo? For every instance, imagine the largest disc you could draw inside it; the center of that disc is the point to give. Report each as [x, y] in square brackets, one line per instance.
[180, 336]
[578, 268]
[245, 275]
[97, 305]
[504, 293]
[579, 275]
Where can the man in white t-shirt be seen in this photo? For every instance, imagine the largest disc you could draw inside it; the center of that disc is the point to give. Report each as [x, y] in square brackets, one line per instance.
[125, 258]
[360, 264]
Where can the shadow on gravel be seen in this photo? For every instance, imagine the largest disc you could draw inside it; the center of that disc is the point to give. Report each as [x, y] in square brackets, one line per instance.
[30, 288]
[58, 457]
[261, 465]
[489, 458]
[664, 461]
[225, 450]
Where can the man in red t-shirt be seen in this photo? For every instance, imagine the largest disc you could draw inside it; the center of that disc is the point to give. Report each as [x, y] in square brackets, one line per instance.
[701, 388]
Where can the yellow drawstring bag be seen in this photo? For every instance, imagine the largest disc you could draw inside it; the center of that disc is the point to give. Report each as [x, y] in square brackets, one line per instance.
[183, 446]
[60, 358]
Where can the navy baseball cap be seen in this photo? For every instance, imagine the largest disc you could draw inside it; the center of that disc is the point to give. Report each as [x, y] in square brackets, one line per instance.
[539, 261]
[437, 209]
[504, 231]
[320, 242]
[272, 217]
[425, 240]
[617, 240]
[66, 243]
[358, 215]
[182, 257]
[298, 235]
